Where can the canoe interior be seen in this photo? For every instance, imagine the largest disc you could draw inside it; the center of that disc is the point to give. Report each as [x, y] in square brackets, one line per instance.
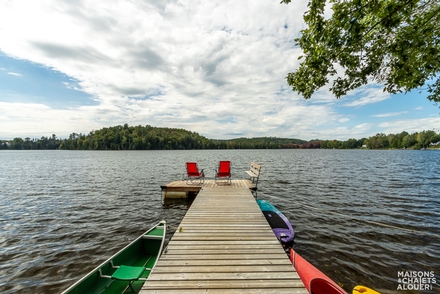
[141, 252]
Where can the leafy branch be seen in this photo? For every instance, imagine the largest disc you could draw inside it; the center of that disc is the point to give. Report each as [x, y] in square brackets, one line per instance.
[404, 54]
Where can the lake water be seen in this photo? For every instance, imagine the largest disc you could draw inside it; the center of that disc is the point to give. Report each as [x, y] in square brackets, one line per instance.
[360, 216]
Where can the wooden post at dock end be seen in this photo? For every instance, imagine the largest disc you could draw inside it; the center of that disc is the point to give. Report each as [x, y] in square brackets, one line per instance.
[184, 190]
[178, 190]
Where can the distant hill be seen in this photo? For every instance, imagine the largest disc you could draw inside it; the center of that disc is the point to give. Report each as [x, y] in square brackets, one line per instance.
[259, 143]
[125, 137]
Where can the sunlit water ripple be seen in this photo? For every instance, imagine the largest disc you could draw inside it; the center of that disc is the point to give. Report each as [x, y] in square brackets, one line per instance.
[360, 216]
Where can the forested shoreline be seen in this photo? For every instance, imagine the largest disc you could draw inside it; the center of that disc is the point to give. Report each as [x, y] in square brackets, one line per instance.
[156, 138]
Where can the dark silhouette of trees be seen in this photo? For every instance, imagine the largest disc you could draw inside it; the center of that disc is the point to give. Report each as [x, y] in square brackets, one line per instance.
[153, 138]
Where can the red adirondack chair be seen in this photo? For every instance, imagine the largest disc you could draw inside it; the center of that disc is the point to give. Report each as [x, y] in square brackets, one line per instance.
[193, 173]
[224, 171]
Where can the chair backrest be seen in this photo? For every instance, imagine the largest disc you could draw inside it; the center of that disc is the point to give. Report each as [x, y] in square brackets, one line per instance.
[192, 169]
[224, 167]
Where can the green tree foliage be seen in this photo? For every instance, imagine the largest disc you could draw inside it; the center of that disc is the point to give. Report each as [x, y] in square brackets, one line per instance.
[404, 140]
[17, 143]
[393, 42]
[136, 138]
[147, 138]
[152, 138]
[34, 144]
[259, 143]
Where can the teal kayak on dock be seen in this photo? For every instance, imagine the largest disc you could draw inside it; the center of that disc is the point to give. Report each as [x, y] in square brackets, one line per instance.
[279, 223]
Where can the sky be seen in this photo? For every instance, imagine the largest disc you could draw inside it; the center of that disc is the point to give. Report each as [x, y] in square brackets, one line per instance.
[217, 68]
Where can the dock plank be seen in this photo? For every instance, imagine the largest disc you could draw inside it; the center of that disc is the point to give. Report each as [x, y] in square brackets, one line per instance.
[224, 245]
[224, 269]
[232, 284]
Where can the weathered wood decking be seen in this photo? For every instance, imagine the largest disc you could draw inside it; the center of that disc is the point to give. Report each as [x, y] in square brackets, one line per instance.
[224, 245]
[196, 186]
[181, 189]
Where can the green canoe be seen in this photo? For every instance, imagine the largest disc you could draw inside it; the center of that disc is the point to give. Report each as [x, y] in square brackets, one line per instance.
[127, 270]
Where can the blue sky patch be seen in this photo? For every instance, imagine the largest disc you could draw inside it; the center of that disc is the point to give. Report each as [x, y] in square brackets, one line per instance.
[22, 81]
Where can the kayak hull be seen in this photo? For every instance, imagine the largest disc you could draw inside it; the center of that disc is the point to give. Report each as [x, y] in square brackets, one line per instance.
[279, 223]
[363, 290]
[313, 279]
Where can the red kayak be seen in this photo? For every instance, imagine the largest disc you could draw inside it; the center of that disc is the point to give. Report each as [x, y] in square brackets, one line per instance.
[314, 280]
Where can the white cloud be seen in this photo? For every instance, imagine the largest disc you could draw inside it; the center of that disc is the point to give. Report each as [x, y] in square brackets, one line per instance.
[368, 95]
[363, 127]
[214, 67]
[390, 114]
[30, 119]
[180, 64]
[14, 74]
[411, 125]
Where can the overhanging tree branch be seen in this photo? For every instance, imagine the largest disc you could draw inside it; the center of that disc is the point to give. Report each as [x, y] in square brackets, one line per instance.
[404, 53]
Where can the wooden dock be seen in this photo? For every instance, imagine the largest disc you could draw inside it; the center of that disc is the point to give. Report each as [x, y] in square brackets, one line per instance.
[224, 245]
[183, 189]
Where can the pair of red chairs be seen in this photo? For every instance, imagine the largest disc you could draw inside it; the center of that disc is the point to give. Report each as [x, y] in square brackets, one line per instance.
[194, 175]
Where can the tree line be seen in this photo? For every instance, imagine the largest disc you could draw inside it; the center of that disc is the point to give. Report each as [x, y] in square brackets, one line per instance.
[404, 140]
[155, 138]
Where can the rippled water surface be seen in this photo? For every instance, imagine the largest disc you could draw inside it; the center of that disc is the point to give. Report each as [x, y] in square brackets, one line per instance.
[359, 216]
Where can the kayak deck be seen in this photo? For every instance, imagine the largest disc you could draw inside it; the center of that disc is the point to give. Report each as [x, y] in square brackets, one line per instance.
[224, 245]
